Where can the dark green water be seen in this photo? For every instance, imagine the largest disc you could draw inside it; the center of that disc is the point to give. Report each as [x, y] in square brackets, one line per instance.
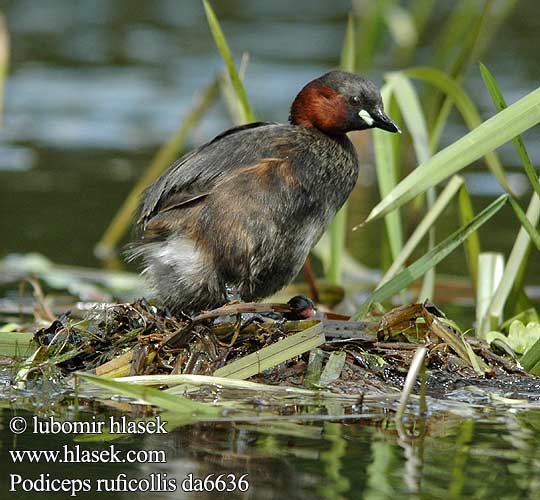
[484, 458]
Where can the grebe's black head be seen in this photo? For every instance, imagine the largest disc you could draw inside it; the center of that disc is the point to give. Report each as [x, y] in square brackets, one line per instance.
[339, 102]
[301, 308]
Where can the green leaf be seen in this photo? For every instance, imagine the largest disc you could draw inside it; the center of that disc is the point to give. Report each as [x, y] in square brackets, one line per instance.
[531, 359]
[177, 404]
[490, 272]
[16, 343]
[500, 104]
[314, 368]
[272, 355]
[472, 243]
[526, 316]
[385, 164]
[514, 274]
[409, 103]
[473, 358]
[401, 26]
[526, 223]
[333, 368]
[9, 327]
[458, 24]
[421, 229]
[521, 338]
[225, 52]
[431, 258]
[456, 95]
[491, 134]
[338, 228]
[4, 61]
[514, 269]
[500, 341]
[348, 58]
[229, 95]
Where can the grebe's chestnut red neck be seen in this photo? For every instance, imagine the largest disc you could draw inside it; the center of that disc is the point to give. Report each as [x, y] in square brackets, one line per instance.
[339, 102]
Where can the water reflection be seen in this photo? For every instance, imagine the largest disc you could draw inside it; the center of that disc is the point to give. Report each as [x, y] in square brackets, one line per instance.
[494, 457]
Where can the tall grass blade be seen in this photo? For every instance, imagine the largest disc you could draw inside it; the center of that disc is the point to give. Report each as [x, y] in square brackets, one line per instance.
[411, 109]
[531, 359]
[225, 52]
[460, 22]
[472, 243]
[421, 230]
[420, 12]
[401, 26]
[120, 223]
[348, 53]
[385, 165]
[497, 15]
[456, 95]
[427, 291]
[514, 275]
[518, 300]
[171, 402]
[4, 61]
[500, 104]
[526, 223]
[431, 258]
[412, 375]
[468, 49]
[412, 113]
[228, 92]
[490, 273]
[472, 44]
[367, 33]
[516, 261]
[491, 134]
[338, 228]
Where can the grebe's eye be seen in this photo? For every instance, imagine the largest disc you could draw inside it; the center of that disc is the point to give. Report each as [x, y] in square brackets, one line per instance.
[355, 99]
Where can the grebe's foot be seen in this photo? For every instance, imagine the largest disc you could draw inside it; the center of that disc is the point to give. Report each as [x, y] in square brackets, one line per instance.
[232, 294]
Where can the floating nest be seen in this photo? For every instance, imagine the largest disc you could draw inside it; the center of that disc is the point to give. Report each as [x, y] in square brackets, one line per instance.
[258, 342]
